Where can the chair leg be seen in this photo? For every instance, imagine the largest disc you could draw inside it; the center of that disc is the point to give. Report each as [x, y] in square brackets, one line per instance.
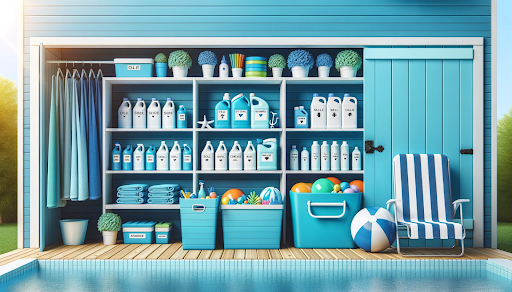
[429, 255]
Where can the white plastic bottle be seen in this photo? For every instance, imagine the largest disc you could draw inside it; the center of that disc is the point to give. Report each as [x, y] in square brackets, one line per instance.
[154, 115]
[335, 156]
[349, 112]
[325, 157]
[356, 159]
[223, 68]
[221, 157]
[315, 156]
[304, 159]
[207, 159]
[162, 157]
[344, 156]
[318, 112]
[175, 157]
[333, 112]
[169, 115]
[139, 157]
[139, 114]
[124, 114]
[294, 158]
[235, 157]
[250, 157]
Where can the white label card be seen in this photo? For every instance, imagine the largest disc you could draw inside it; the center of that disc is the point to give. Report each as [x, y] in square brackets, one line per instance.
[222, 115]
[137, 235]
[301, 120]
[181, 117]
[260, 115]
[150, 158]
[240, 115]
[116, 158]
[267, 157]
[162, 236]
[127, 158]
[133, 67]
[187, 158]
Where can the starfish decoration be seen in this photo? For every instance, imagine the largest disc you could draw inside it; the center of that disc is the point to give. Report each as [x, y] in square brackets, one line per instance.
[205, 124]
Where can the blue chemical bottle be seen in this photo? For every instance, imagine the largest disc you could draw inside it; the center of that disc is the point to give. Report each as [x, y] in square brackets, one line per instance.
[187, 157]
[222, 113]
[127, 158]
[201, 193]
[294, 158]
[301, 118]
[259, 112]
[116, 157]
[150, 158]
[182, 118]
[267, 154]
[240, 112]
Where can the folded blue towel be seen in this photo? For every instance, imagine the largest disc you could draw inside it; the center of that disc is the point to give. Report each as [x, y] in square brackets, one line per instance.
[132, 194]
[133, 187]
[163, 200]
[164, 188]
[164, 194]
[131, 200]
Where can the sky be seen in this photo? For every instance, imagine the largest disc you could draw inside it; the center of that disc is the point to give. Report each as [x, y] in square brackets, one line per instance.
[9, 39]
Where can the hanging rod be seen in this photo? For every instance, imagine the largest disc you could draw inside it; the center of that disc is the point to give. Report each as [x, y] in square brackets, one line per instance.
[78, 62]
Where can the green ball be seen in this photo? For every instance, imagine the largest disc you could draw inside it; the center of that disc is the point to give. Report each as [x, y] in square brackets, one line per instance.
[322, 185]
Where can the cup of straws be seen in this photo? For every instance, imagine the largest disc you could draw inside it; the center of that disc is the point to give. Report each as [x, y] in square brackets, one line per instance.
[237, 63]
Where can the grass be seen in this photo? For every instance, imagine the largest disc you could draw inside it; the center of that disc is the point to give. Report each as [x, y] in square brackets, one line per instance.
[8, 237]
[505, 236]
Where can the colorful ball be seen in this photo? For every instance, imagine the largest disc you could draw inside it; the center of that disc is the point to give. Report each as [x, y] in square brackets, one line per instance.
[334, 180]
[359, 184]
[373, 229]
[310, 185]
[322, 185]
[301, 188]
[355, 188]
[233, 194]
[232, 202]
[344, 185]
[271, 194]
[348, 190]
[225, 200]
[213, 195]
[240, 200]
[336, 188]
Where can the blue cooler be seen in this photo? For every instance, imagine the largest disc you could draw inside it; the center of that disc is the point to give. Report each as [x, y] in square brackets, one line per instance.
[252, 226]
[198, 223]
[134, 67]
[139, 232]
[322, 220]
[163, 232]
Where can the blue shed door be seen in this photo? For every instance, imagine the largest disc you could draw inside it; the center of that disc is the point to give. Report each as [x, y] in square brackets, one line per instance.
[418, 100]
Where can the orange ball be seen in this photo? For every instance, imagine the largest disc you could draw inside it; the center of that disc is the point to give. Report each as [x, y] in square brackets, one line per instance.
[334, 180]
[301, 188]
[233, 194]
[359, 184]
[310, 185]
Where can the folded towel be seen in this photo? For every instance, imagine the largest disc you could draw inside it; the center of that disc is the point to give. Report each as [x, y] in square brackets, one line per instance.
[164, 188]
[133, 187]
[163, 200]
[132, 194]
[164, 194]
[131, 200]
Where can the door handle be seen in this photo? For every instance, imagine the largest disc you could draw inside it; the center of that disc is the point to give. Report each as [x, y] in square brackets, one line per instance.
[466, 151]
[369, 148]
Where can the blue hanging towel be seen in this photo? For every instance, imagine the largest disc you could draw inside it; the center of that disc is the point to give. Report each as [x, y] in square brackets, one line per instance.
[131, 200]
[133, 187]
[59, 93]
[164, 188]
[164, 194]
[66, 138]
[93, 144]
[83, 171]
[99, 96]
[53, 183]
[75, 129]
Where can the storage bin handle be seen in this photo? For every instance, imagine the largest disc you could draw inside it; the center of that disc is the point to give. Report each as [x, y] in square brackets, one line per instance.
[327, 205]
[198, 208]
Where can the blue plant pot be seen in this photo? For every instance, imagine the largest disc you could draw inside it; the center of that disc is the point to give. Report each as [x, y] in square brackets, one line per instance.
[161, 69]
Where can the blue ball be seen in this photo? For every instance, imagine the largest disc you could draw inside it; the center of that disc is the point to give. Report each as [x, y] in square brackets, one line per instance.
[344, 185]
[373, 229]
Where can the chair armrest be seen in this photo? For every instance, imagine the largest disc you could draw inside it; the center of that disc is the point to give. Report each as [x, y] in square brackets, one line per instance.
[458, 202]
[391, 202]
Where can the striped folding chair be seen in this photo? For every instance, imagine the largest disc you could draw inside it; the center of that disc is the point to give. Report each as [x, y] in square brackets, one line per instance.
[423, 199]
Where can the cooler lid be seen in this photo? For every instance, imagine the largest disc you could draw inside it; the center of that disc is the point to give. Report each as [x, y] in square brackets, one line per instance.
[163, 225]
[139, 224]
[134, 61]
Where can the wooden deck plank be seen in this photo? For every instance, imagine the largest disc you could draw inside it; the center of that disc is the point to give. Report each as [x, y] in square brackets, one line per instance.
[124, 252]
[337, 254]
[56, 251]
[192, 254]
[143, 255]
[324, 254]
[83, 251]
[263, 254]
[275, 254]
[297, 253]
[286, 254]
[170, 251]
[179, 254]
[113, 251]
[228, 254]
[239, 254]
[17, 257]
[100, 251]
[38, 254]
[136, 251]
[14, 252]
[73, 251]
[349, 253]
[159, 251]
[251, 254]
[205, 254]
[217, 254]
[311, 254]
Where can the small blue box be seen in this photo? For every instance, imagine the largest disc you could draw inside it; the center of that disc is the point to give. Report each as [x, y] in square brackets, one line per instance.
[163, 232]
[139, 232]
[199, 223]
[134, 67]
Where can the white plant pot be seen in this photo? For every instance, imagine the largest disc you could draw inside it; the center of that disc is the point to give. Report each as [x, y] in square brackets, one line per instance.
[347, 71]
[208, 70]
[237, 72]
[299, 71]
[323, 71]
[109, 237]
[277, 72]
[179, 71]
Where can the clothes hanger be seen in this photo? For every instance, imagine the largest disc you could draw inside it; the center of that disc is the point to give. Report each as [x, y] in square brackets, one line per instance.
[59, 72]
[91, 73]
[68, 73]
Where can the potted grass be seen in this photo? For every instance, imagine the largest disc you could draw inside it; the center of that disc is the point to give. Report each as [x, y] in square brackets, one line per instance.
[208, 61]
[161, 65]
[180, 62]
[109, 224]
[348, 62]
[324, 64]
[277, 62]
[300, 62]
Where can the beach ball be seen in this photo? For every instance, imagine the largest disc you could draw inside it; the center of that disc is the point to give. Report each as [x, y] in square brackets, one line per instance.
[272, 194]
[373, 229]
[301, 188]
[334, 180]
[359, 184]
[322, 185]
[233, 194]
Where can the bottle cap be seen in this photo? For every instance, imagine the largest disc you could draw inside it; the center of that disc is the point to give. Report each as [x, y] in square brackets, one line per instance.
[182, 107]
[163, 142]
[208, 142]
[344, 143]
[249, 142]
[316, 95]
[252, 94]
[184, 145]
[259, 141]
[346, 95]
[355, 148]
[331, 94]
[153, 99]
[301, 107]
[125, 98]
[117, 143]
[139, 98]
[325, 142]
[237, 97]
[296, 108]
[315, 142]
[294, 147]
[226, 96]
[334, 142]
[169, 99]
[236, 142]
[223, 60]
[304, 148]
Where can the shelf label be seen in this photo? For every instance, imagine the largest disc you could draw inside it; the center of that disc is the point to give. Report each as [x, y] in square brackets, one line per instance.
[127, 158]
[150, 158]
[181, 117]
[261, 115]
[240, 115]
[137, 235]
[222, 115]
[133, 67]
[267, 157]
[162, 236]
[301, 120]
[116, 158]
[187, 158]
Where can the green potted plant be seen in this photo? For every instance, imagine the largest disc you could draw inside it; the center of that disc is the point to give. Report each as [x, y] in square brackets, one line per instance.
[348, 62]
[161, 65]
[277, 63]
[109, 224]
[300, 62]
[208, 61]
[180, 62]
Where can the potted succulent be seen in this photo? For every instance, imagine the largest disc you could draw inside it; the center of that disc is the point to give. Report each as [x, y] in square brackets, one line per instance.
[324, 64]
[277, 63]
[161, 65]
[348, 62]
[300, 62]
[180, 62]
[109, 224]
[207, 60]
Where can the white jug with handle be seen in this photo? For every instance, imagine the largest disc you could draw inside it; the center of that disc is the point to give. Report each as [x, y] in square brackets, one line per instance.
[207, 159]
[349, 112]
[221, 157]
[318, 112]
[162, 157]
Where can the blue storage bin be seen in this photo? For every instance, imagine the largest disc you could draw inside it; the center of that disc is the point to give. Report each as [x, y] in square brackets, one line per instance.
[134, 67]
[252, 227]
[139, 232]
[163, 232]
[198, 223]
[322, 220]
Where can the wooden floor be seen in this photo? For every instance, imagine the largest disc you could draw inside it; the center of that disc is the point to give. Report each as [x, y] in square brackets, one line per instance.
[175, 251]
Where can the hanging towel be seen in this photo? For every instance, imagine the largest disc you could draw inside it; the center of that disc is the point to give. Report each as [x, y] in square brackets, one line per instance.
[93, 145]
[75, 126]
[60, 118]
[133, 187]
[132, 194]
[131, 200]
[164, 194]
[99, 97]
[53, 183]
[83, 174]
[66, 138]
[163, 200]
[164, 188]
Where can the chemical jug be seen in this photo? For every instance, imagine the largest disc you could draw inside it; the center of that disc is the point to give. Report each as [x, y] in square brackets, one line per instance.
[335, 156]
[139, 114]
[315, 156]
[182, 117]
[187, 157]
[259, 112]
[162, 157]
[301, 118]
[318, 112]
[304, 159]
[221, 157]
[116, 157]
[222, 113]
[154, 115]
[169, 115]
[344, 156]
[150, 158]
[240, 112]
[349, 112]
[138, 157]
[127, 158]
[267, 154]
[333, 112]
[175, 157]
[294, 158]
[235, 157]
[250, 157]
[207, 157]
[325, 163]
[124, 114]
[356, 159]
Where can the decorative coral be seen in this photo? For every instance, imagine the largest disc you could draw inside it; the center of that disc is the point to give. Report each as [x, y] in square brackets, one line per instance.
[324, 60]
[300, 58]
[180, 58]
[161, 58]
[207, 58]
[109, 222]
[276, 61]
[348, 58]
[253, 199]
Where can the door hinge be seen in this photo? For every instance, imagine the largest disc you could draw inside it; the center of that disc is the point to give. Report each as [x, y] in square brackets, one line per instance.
[466, 151]
[369, 148]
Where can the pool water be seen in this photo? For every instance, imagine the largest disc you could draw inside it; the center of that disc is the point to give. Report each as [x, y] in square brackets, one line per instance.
[258, 275]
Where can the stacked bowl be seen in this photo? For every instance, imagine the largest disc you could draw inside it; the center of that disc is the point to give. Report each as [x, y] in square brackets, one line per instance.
[256, 67]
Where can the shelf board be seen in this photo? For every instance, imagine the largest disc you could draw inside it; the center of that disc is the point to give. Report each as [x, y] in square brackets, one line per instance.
[239, 172]
[149, 172]
[149, 130]
[234, 80]
[334, 172]
[324, 80]
[149, 80]
[239, 80]
[142, 206]
[323, 130]
[240, 130]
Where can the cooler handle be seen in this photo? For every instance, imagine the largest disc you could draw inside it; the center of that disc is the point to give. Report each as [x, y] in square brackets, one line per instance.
[327, 205]
[198, 208]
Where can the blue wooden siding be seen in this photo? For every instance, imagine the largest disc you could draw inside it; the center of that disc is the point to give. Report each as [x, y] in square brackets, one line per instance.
[201, 18]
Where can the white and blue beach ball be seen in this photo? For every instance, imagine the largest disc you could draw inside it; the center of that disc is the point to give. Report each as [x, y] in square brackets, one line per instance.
[272, 194]
[373, 229]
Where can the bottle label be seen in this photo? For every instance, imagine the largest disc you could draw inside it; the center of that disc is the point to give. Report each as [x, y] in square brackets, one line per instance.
[249, 158]
[150, 158]
[162, 236]
[295, 156]
[127, 158]
[301, 120]
[314, 156]
[267, 157]
[318, 112]
[220, 157]
[181, 117]
[137, 235]
[261, 115]
[335, 156]
[355, 156]
[240, 115]
[235, 157]
[187, 158]
[222, 115]
[138, 158]
[155, 113]
[175, 157]
[162, 157]
[141, 113]
[168, 114]
[116, 158]
[123, 113]
[345, 156]
[206, 157]
[334, 113]
[325, 156]
[133, 67]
